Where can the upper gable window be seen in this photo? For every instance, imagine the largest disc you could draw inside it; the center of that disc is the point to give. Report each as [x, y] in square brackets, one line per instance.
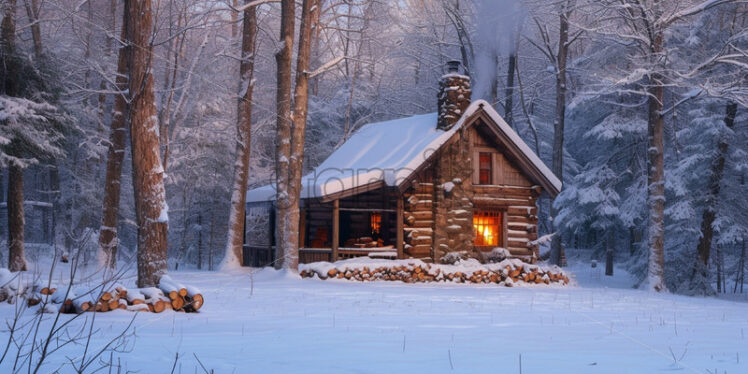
[485, 168]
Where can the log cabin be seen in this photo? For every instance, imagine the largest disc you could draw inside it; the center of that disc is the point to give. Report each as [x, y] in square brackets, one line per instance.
[457, 181]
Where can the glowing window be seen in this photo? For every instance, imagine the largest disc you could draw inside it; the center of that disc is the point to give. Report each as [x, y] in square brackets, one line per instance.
[376, 223]
[485, 168]
[487, 228]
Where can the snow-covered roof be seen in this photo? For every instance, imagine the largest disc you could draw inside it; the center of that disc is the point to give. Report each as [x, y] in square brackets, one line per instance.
[389, 152]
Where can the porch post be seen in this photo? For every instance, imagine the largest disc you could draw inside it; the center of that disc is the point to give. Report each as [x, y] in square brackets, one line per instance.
[335, 229]
[399, 230]
[302, 227]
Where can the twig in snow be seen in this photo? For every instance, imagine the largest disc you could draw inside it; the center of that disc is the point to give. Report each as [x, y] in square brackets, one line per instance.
[176, 358]
[201, 365]
[520, 363]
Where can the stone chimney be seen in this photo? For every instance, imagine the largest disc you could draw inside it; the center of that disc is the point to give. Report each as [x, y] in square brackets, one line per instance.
[454, 96]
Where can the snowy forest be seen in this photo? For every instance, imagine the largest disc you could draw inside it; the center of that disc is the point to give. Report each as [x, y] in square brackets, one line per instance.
[136, 134]
[132, 129]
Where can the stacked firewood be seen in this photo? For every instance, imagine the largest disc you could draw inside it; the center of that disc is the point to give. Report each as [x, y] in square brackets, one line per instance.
[169, 295]
[506, 273]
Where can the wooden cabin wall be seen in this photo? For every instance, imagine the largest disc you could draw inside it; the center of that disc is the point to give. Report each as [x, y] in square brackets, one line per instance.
[513, 194]
[418, 220]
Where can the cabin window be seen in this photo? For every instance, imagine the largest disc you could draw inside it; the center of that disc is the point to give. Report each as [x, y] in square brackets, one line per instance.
[485, 168]
[376, 224]
[488, 228]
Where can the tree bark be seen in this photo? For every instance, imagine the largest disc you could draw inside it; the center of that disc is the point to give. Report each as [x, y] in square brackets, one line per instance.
[32, 10]
[16, 221]
[301, 101]
[233, 255]
[107, 52]
[285, 239]
[715, 179]
[656, 171]
[108, 239]
[8, 40]
[509, 90]
[558, 256]
[148, 174]
[610, 252]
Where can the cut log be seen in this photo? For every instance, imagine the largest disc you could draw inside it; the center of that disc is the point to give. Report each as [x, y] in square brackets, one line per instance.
[135, 297]
[177, 303]
[169, 286]
[80, 305]
[138, 308]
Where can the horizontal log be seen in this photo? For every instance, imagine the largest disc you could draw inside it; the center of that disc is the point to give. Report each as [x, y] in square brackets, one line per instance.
[522, 211]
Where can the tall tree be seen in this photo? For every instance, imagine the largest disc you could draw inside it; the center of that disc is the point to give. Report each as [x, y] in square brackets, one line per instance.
[300, 108]
[557, 163]
[32, 11]
[148, 173]
[108, 239]
[712, 194]
[29, 125]
[291, 130]
[643, 25]
[16, 222]
[285, 255]
[243, 139]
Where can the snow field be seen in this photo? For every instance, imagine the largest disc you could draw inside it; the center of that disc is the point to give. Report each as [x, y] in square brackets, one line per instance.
[266, 321]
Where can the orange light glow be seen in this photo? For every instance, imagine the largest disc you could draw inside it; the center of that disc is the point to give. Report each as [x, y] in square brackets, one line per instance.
[486, 226]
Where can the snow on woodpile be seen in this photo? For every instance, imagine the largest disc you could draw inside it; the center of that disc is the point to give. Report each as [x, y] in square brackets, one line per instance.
[49, 298]
[389, 152]
[509, 272]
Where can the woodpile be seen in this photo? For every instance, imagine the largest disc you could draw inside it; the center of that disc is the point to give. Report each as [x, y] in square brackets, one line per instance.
[169, 295]
[506, 273]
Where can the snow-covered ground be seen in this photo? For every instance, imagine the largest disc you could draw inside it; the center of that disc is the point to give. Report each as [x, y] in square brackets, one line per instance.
[264, 321]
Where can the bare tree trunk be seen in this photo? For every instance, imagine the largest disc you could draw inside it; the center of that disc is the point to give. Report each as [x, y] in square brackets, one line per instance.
[715, 179]
[285, 239]
[8, 28]
[32, 10]
[740, 276]
[233, 255]
[509, 89]
[107, 51]
[108, 239]
[656, 172]
[235, 20]
[200, 240]
[301, 101]
[16, 221]
[170, 73]
[558, 257]
[610, 252]
[148, 174]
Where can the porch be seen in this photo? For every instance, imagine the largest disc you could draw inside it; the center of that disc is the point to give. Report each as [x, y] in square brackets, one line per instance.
[361, 223]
